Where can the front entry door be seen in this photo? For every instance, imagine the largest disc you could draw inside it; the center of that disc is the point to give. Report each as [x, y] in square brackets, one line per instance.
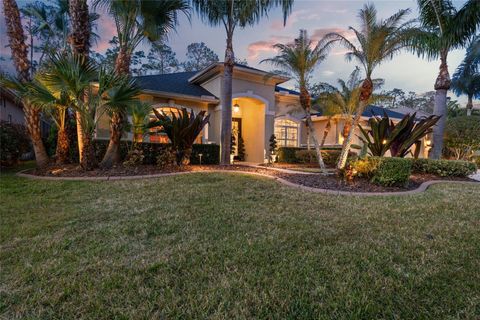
[237, 134]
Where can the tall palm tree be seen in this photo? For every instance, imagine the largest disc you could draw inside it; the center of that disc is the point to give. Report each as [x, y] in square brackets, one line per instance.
[376, 42]
[298, 60]
[16, 39]
[466, 79]
[75, 76]
[344, 100]
[136, 21]
[232, 14]
[443, 28]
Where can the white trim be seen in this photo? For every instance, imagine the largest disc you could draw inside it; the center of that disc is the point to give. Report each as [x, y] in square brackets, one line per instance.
[290, 118]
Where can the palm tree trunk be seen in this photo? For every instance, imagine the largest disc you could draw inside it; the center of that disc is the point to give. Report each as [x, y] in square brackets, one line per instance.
[112, 155]
[22, 64]
[78, 120]
[346, 128]
[88, 160]
[226, 134]
[326, 131]
[442, 85]
[469, 105]
[365, 93]
[305, 101]
[63, 146]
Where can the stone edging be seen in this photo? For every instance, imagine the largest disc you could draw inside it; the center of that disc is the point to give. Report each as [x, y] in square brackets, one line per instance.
[424, 186]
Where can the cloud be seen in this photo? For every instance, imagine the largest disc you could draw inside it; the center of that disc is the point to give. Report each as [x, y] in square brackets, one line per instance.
[327, 73]
[294, 17]
[255, 48]
[106, 29]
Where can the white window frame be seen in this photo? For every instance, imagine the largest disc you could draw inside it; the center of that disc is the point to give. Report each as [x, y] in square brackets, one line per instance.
[282, 140]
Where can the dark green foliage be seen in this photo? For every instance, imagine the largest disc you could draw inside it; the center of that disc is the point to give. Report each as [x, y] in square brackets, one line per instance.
[233, 144]
[443, 168]
[287, 154]
[384, 135]
[151, 151]
[272, 147]
[241, 149]
[182, 129]
[381, 170]
[14, 142]
[330, 157]
[462, 137]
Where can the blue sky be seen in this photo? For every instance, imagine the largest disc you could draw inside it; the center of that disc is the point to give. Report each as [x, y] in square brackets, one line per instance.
[406, 71]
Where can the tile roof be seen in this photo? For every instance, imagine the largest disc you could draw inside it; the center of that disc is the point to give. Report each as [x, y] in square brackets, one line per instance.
[173, 83]
[278, 89]
[372, 110]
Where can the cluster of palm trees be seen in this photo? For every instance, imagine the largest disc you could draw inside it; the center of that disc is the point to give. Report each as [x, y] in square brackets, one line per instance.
[442, 28]
[439, 29]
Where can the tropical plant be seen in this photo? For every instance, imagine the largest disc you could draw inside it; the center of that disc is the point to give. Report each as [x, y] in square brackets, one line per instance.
[136, 21]
[140, 113]
[344, 100]
[182, 129]
[442, 29]
[230, 15]
[466, 79]
[298, 60]
[385, 135]
[377, 42]
[462, 137]
[75, 76]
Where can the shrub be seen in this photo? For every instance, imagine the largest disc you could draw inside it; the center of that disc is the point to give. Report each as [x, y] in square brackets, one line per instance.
[462, 137]
[14, 142]
[167, 158]
[330, 157]
[381, 170]
[134, 158]
[287, 154]
[443, 168]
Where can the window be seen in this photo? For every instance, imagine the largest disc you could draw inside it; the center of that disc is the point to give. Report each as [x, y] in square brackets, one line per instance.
[286, 132]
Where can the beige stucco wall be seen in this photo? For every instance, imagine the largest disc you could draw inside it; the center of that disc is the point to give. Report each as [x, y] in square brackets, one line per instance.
[9, 110]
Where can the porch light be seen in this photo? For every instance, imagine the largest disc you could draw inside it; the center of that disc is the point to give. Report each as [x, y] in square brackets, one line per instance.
[236, 108]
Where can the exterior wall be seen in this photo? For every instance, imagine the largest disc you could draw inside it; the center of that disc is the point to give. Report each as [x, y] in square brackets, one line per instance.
[10, 111]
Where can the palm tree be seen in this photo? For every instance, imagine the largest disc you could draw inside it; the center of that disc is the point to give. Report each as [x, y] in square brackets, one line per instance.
[140, 115]
[298, 60]
[344, 100]
[443, 28]
[16, 38]
[377, 41]
[466, 79]
[136, 21]
[75, 76]
[232, 14]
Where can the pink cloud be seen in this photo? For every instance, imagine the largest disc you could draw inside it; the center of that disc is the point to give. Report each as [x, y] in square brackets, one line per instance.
[106, 29]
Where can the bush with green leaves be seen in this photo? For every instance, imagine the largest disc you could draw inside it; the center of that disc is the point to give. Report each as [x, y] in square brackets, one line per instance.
[443, 168]
[14, 142]
[462, 137]
[381, 170]
[330, 157]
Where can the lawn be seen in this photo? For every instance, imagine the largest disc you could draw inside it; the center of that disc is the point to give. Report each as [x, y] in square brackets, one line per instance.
[219, 246]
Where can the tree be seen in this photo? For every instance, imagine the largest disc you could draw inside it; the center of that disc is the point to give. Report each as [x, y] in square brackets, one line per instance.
[233, 14]
[466, 79]
[298, 60]
[16, 40]
[272, 148]
[462, 137]
[377, 41]
[344, 101]
[161, 59]
[442, 29]
[136, 21]
[199, 56]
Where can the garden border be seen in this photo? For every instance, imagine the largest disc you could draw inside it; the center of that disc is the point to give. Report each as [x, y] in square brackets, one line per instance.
[424, 186]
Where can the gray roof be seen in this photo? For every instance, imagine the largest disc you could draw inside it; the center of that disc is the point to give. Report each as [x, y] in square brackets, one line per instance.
[173, 83]
[278, 89]
[372, 110]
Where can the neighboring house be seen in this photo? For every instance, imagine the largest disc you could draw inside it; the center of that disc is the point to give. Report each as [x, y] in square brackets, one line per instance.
[11, 109]
[260, 108]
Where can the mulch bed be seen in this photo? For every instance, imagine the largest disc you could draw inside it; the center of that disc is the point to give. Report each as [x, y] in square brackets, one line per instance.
[330, 182]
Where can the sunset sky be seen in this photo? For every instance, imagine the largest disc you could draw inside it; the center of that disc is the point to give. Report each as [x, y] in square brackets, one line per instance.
[406, 71]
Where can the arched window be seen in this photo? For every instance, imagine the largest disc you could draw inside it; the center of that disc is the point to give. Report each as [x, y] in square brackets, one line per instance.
[286, 132]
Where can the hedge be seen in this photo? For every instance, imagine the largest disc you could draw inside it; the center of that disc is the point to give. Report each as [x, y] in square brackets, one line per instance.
[443, 168]
[301, 155]
[14, 142]
[210, 152]
[382, 170]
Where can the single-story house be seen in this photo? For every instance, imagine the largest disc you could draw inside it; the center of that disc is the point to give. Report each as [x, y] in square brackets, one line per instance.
[11, 109]
[261, 107]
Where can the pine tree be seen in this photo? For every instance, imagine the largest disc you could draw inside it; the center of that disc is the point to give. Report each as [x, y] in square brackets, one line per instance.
[273, 148]
[241, 149]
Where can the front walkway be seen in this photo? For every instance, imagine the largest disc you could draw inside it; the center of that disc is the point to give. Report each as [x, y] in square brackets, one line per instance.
[475, 176]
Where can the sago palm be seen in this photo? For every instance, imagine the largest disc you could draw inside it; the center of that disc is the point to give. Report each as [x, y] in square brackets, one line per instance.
[443, 28]
[298, 60]
[16, 39]
[136, 21]
[466, 79]
[344, 99]
[232, 14]
[376, 41]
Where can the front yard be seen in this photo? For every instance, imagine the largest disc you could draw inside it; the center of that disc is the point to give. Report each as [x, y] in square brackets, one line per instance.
[220, 245]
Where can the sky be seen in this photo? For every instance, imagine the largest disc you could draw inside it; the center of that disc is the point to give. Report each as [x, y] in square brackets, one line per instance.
[406, 71]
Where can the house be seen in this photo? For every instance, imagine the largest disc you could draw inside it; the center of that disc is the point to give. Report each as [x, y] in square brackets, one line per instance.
[11, 109]
[261, 107]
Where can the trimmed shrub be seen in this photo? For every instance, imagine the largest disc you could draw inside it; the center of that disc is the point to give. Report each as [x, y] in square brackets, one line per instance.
[443, 168]
[330, 157]
[462, 137]
[151, 151]
[381, 170]
[287, 154]
[14, 142]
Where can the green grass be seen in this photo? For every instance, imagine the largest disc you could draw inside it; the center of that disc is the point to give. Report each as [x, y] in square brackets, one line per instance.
[225, 246]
